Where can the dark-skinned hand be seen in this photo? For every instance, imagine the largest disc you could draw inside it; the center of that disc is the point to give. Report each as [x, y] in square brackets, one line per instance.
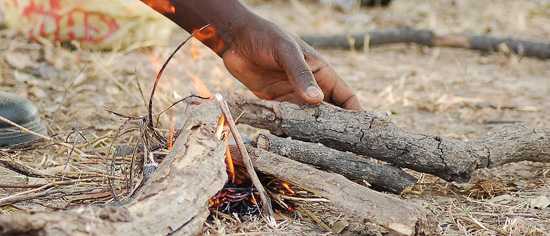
[270, 62]
[276, 66]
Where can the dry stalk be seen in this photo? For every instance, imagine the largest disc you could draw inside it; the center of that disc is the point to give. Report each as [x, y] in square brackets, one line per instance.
[150, 123]
[47, 138]
[266, 202]
[32, 193]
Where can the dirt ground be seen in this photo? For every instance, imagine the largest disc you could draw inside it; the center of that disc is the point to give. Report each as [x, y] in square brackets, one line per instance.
[449, 92]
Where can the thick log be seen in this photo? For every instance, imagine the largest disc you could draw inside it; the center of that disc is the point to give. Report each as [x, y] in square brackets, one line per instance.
[380, 175]
[396, 215]
[375, 136]
[428, 38]
[173, 201]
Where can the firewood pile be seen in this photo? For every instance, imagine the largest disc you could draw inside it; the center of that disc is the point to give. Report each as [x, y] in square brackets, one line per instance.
[175, 197]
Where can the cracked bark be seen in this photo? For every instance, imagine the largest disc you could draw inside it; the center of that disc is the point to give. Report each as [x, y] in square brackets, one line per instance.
[380, 175]
[173, 201]
[450, 159]
[394, 214]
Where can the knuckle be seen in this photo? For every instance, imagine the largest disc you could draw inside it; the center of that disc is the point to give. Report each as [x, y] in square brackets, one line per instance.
[287, 47]
[304, 74]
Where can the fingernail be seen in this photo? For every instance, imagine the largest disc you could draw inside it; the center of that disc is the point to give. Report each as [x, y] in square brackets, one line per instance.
[314, 92]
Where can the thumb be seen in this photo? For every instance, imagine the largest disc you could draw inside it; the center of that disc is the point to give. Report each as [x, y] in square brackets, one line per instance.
[292, 60]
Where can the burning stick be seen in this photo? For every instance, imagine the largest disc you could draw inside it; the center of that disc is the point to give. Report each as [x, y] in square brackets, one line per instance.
[266, 202]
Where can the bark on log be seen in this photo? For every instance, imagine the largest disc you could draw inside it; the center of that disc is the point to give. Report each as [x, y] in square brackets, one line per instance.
[173, 201]
[482, 43]
[398, 216]
[380, 175]
[375, 136]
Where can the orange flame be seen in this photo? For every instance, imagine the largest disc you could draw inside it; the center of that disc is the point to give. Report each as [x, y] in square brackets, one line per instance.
[210, 37]
[195, 51]
[229, 163]
[171, 133]
[200, 86]
[221, 130]
[287, 187]
[155, 61]
[161, 6]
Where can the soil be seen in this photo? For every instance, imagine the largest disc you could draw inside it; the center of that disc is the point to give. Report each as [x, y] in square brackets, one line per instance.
[450, 92]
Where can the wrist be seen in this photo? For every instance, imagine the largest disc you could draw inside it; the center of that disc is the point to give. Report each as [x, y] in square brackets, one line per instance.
[227, 28]
[225, 19]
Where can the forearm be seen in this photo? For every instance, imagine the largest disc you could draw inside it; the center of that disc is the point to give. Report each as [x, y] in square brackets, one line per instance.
[224, 16]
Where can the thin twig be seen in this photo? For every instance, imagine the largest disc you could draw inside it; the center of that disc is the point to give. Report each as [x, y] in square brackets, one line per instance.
[111, 167]
[20, 168]
[6, 120]
[303, 199]
[67, 145]
[266, 202]
[315, 218]
[64, 182]
[130, 178]
[70, 152]
[161, 71]
[29, 196]
[140, 89]
[10, 199]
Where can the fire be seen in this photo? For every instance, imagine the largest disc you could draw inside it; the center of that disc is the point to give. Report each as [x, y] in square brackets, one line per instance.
[229, 163]
[287, 188]
[155, 61]
[200, 86]
[239, 194]
[221, 133]
[161, 6]
[210, 37]
[195, 51]
[171, 133]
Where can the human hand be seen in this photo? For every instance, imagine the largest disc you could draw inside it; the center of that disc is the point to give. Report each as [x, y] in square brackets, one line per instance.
[270, 62]
[276, 66]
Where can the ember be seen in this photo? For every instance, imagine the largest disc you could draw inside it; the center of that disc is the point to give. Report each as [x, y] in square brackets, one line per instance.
[235, 199]
[239, 195]
[241, 198]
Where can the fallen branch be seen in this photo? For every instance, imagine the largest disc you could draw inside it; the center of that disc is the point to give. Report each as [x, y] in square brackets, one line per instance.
[429, 38]
[379, 175]
[174, 199]
[375, 136]
[401, 217]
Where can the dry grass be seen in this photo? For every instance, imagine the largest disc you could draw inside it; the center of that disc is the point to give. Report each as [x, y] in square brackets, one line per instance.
[448, 92]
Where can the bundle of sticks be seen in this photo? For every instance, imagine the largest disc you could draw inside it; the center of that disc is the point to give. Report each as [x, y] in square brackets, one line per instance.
[325, 150]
